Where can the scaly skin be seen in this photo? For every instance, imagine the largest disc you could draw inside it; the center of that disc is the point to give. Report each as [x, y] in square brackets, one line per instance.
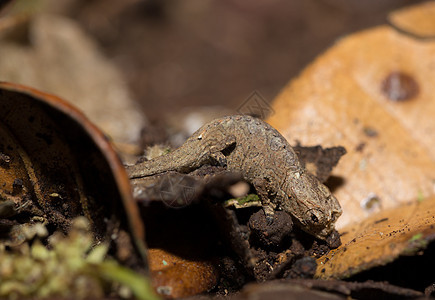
[264, 157]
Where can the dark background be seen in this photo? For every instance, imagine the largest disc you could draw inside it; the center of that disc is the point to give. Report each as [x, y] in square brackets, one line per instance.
[179, 53]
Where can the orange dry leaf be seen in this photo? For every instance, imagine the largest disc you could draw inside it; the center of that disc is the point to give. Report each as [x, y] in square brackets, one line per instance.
[417, 20]
[176, 277]
[380, 239]
[373, 93]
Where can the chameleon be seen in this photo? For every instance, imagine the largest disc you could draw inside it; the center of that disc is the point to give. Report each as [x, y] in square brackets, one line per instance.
[264, 158]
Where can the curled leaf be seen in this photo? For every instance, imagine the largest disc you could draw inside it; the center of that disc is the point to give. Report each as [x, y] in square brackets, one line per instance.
[56, 165]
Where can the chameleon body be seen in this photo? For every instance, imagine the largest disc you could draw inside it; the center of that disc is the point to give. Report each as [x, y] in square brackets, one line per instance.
[265, 159]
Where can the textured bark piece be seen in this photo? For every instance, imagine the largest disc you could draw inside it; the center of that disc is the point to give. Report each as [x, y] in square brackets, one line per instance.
[319, 161]
[417, 20]
[359, 95]
[380, 239]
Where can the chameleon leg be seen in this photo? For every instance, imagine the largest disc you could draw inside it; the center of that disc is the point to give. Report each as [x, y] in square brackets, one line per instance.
[217, 150]
[219, 158]
[261, 186]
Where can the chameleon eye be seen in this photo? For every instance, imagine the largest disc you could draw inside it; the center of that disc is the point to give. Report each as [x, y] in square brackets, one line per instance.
[314, 218]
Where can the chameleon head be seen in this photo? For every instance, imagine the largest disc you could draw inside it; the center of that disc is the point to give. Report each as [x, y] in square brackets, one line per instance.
[313, 205]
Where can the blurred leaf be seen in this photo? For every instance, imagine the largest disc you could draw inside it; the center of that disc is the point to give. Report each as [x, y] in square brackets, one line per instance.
[416, 20]
[372, 92]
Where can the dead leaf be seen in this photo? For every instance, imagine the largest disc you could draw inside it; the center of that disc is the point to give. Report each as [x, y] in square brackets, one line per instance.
[54, 54]
[417, 20]
[56, 165]
[282, 290]
[372, 93]
[380, 239]
[176, 277]
[359, 290]
[341, 99]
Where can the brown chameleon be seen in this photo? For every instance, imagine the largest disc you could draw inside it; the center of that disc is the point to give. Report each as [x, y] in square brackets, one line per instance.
[265, 159]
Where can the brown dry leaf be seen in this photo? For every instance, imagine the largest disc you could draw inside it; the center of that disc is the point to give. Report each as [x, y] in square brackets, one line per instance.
[56, 165]
[380, 239]
[417, 20]
[372, 93]
[54, 54]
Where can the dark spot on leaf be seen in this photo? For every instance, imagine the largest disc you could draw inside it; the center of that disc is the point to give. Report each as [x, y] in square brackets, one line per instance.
[360, 147]
[381, 220]
[399, 86]
[370, 132]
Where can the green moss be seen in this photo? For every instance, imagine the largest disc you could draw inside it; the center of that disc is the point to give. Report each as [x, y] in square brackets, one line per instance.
[416, 237]
[248, 198]
[416, 243]
[71, 267]
[246, 201]
[420, 196]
